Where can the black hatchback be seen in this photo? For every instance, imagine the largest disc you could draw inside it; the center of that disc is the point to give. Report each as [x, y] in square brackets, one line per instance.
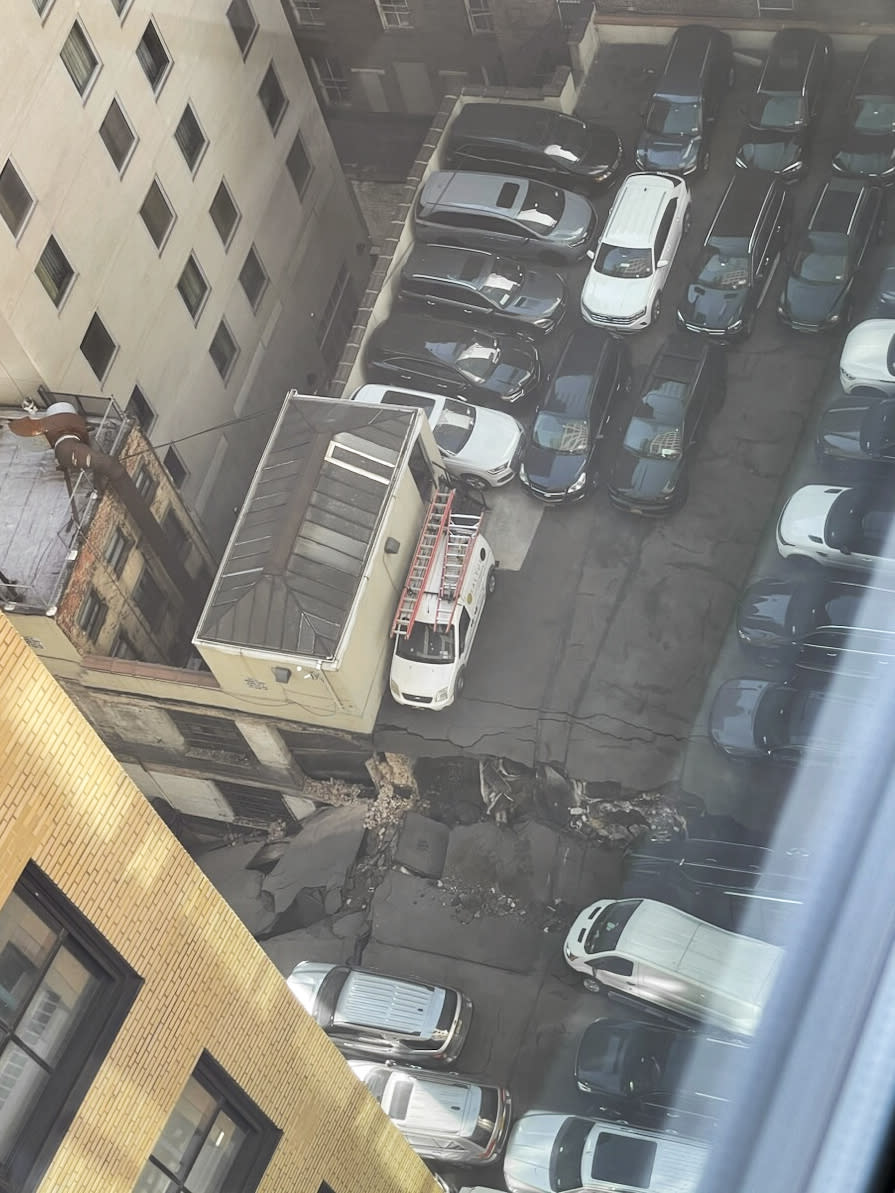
[786, 103]
[560, 462]
[687, 378]
[678, 119]
[536, 142]
[868, 145]
[441, 356]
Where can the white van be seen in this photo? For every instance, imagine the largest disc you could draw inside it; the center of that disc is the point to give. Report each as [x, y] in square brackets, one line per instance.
[440, 611]
[652, 953]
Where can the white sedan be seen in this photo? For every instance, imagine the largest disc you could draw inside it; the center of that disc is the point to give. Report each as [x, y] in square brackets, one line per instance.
[482, 447]
[868, 356]
[839, 527]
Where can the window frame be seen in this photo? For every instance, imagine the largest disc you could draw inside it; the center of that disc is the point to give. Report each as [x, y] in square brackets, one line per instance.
[246, 7]
[394, 8]
[117, 551]
[146, 488]
[276, 120]
[300, 142]
[92, 614]
[42, 8]
[178, 484]
[89, 81]
[123, 647]
[311, 7]
[62, 294]
[335, 87]
[159, 244]
[165, 71]
[133, 404]
[484, 11]
[227, 372]
[195, 312]
[154, 618]
[227, 239]
[193, 167]
[122, 166]
[253, 252]
[101, 378]
[16, 233]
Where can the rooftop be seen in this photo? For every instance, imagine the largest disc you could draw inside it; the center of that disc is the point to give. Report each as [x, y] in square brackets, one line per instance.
[292, 569]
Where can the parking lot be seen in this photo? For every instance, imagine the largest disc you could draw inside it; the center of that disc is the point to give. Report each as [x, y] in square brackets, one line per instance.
[601, 643]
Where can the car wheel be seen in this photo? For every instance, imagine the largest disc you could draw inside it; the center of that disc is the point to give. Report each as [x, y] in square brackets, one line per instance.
[657, 307]
[688, 222]
[491, 582]
[594, 986]
[474, 482]
[459, 682]
[705, 161]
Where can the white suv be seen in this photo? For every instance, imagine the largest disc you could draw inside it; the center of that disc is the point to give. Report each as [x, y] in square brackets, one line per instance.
[649, 216]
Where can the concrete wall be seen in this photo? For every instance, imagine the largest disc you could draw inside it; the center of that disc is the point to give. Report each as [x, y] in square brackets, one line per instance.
[67, 806]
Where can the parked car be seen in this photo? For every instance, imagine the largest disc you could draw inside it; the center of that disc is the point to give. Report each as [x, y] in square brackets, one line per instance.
[858, 429]
[551, 1153]
[687, 378]
[470, 283]
[875, 298]
[786, 103]
[658, 1076]
[479, 446]
[868, 357]
[775, 617]
[839, 527]
[847, 218]
[648, 218]
[534, 141]
[678, 119]
[741, 252]
[442, 1117]
[868, 146]
[377, 1015]
[444, 356]
[757, 718]
[503, 214]
[560, 461]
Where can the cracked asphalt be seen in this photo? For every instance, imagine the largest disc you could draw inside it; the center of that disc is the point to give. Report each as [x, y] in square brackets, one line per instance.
[595, 654]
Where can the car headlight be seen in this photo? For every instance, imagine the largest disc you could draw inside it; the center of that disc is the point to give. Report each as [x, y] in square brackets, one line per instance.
[523, 475]
[791, 168]
[637, 315]
[544, 324]
[848, 376]
[393, 688]
[577, 485]
[735, 326]
[514, 396]
[834, 319]
[442, 694]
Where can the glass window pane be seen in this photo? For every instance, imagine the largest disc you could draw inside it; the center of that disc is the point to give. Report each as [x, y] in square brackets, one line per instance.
[218, 1152]
[21, 1081]
[153, 1180]
[56, 1008]
[187, 1126]
[25, 946]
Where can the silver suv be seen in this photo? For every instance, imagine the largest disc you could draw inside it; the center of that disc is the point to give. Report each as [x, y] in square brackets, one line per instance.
[504, 214]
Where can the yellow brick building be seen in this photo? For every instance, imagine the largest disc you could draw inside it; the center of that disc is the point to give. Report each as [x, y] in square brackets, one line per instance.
[147, 1044]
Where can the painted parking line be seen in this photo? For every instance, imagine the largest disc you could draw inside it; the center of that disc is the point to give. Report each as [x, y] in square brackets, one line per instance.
[510, 525]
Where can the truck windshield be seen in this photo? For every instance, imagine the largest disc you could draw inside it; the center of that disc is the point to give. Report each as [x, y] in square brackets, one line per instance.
[609, 925]
[425, 644]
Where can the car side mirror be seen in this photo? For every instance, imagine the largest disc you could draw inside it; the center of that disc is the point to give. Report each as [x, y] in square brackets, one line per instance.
[663, 263]
[590, 254]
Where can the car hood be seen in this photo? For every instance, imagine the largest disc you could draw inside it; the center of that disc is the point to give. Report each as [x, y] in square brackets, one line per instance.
[805, 513]
[706, 306]
[770, 148]
[527, 1158]
[493, 441]
[664, 151]
[420, 679]
[866, 153]
[551, 470]
[840, 429]
[577, 221]
[811, 302]
[732, 719]
[603, 150]
[615, 296]
[865, 348]
[763, 613]
[516, 369]
[543, 294]
[643, 477]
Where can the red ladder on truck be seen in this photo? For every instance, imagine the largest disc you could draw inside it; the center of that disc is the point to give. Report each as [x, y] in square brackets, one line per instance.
[436, 518]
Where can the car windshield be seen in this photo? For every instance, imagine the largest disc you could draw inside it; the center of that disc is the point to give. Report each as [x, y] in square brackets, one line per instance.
[454, 426]
[654, 440]
[568, 1148]
[878, 429]
[607, 928]
[565, 436]
[541, 208]
[874, 114]
[674, 117]
[503, 281]
[425, 644]
[818, 261]
[772, 718]
[617, 262]
[721, 270]
[785, 110]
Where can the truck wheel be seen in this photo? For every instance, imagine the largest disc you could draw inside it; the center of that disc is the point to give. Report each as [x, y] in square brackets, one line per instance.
[491, 582]
[459, 681]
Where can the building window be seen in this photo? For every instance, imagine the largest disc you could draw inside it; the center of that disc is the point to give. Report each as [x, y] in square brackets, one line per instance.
[54, 271]
[98, 347]
[92, 614]
[118, 548]
[153, 57]
[480, 18]
[253, 279]
[331, 80]
[208, 733]
[337, 319]
[123, 648]
[145, 484]
[223, 351]
[215, 1138]
[193, 287]
[395, 14]
[79, 59]
[175, 467]
[41, 7]
[64, 994]
[307, 12]
[149, 599]
[117, 135]
[224, 214]
[243, 23]
[273, 101]
[299, 165]
[191, 139]
[139, 409]
[120, 6]
[15, 201]
[157, 214]
[175, 532]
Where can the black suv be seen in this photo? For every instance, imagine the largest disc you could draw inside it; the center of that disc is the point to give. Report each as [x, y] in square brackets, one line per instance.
[560, 461]
[868, 147]
[847, 217]
[739, 257]
[444, 357]
[687, 377]
[677, 121]
[858, 429]
[536, 142]
[474, 284]
[786, 103]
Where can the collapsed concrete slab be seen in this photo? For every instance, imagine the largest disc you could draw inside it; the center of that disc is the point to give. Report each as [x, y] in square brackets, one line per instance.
[320, 856]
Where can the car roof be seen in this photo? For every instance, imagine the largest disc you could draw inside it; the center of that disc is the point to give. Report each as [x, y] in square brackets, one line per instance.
[637, 209]
[688, 51]
[788, 59]
[469, 190]
[679, 359]
[405, 330]
[877, 73]
[742, 204]
[585, 351]
[520, 124]
[446, 261]
[837, 205]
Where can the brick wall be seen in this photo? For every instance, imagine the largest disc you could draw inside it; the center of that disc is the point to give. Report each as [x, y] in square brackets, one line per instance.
[66, 804]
